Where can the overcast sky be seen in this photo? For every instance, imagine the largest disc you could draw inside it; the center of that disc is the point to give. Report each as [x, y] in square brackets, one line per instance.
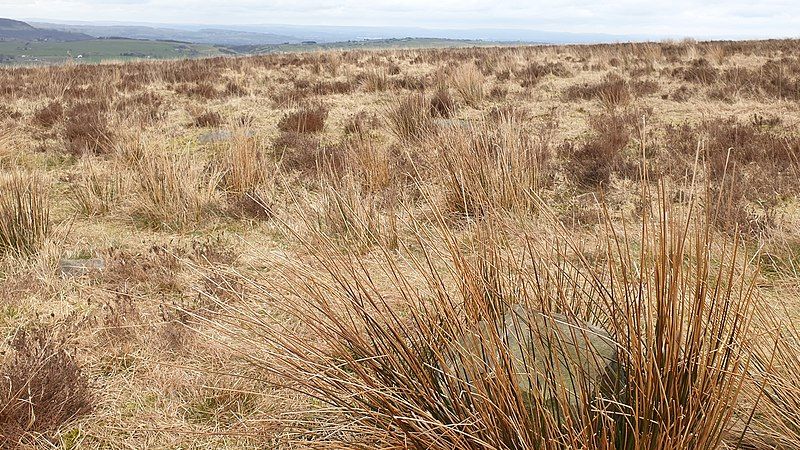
[732, 18]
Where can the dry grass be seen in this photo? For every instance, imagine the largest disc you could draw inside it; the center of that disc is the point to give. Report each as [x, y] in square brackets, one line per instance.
[442, 104]
[468, 83]
[491, 167]
[412, 368]
[308, 119]
[43, 389]
[243, 165]
[174, 193]
[24, 214]
[95, 192]
[207, 119]
[349, 252]
[409, 118]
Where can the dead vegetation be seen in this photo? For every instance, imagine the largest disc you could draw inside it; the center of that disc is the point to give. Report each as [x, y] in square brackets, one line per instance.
[340, 248]
[43, 388]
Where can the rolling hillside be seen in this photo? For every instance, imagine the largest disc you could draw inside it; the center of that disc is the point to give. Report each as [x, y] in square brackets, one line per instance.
[14, 30]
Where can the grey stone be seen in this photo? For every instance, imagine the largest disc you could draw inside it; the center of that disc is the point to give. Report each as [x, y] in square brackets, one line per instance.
[80, 267]
[550, 355]
[452, 123]
[215, 136]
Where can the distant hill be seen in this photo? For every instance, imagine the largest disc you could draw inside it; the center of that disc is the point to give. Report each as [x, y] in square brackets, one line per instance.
[372, 44]
[208, 35]
[272, 34]
[15, 30]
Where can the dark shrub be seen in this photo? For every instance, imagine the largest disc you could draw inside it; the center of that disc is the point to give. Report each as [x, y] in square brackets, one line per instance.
[42, 388]
[534, 71]
[700, 71]
[48, 115]
[442, 104]
[303, 152]
[591, 163]
[207, 119]
[307, 119]
[612, 91]
[86, 129]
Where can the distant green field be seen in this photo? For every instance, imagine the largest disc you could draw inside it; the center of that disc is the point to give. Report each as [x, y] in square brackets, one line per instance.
[375, 44]
[98, 50]
[15, 52]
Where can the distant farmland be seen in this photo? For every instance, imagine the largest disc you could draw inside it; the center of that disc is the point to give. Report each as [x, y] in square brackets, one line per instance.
[97, 50]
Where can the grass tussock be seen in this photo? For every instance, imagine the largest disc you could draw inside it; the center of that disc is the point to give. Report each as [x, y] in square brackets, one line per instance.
[374, 165]
[174, 192]
[49, 115]
[409, 118]
[612, 92]
[95, 191]
[603, 153]
[442, 104]
[774, 371]
[490, 168]
[354, 216]
[206, 119]
[408, 367]
[24, 214]
[243, 165]
[468, 82]
[304, 153]
[87, 130]
[375, 80]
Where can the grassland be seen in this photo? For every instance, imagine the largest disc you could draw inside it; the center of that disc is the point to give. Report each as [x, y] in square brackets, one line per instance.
[367, 44]
[98, 50]
[323, 249]
[120, 50]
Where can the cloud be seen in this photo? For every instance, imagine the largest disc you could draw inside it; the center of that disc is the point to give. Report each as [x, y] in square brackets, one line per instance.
[735, 18]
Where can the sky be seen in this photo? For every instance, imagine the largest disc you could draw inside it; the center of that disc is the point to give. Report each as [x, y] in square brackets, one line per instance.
[708, 18]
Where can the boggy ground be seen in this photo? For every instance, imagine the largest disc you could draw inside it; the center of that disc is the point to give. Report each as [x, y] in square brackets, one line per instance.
[264, 221]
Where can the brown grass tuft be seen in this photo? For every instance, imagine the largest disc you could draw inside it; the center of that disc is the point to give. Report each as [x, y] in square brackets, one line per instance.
[468, 83]
[24, 214]
[174, 193]
[409, 118]
[207, 119]
[86, 129]
[612, 92]
[408, 367]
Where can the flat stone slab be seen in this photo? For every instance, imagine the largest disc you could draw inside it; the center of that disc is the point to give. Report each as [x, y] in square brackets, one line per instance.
[79, 267]
[213, 136]
[453, 123]
[550, 355]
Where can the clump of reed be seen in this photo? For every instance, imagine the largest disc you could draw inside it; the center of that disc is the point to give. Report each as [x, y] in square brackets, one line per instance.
[24, 214]
[174, 193]
[468, 83]
[413, 350]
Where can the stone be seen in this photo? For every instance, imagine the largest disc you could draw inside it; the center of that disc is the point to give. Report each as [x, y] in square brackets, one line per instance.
[453, 123]
[215, 136]
[550, 356]
[79, 267]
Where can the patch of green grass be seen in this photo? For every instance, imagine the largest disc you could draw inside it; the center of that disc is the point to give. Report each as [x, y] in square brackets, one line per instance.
[226, 407]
